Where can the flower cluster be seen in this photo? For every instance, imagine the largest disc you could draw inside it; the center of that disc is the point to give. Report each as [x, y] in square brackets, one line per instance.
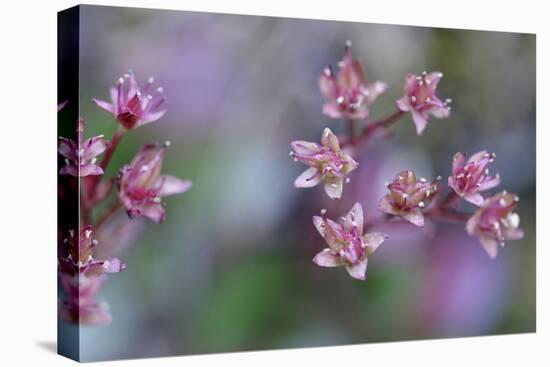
[140, 188]
[348, 95]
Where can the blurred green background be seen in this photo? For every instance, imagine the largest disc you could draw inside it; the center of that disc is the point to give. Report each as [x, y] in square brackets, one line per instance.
[231, 268]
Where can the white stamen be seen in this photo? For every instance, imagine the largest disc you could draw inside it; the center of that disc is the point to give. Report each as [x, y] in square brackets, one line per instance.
[323, 211]
[167, 143]
[513, 220]
[348, 180]
[160, 89]
[87, 233]
[340, 100]
[95, 242]
[156, 199]
[71, 233]
[94, 160]
[151, 80]
[421, 204]
[348, 43]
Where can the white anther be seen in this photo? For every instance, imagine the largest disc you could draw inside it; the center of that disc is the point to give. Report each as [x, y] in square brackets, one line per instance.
[348, 180]
[421, 204]
[160, 89]
[95, 242]
[151, 80]
[120, 81]
[323, 211]
[156, 199]
[167, 143]
[340, 100]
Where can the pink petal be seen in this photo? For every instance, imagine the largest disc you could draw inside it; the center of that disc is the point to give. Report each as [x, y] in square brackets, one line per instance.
[334, 187]
[327, 258]
[330, 140]
[372, 240]
[67, 148]
[90, 170]
[104, 105]
[458, 162]
[69, 170]
[410, 83]
[93, 147]
[477, 156]
[385, 205]
[309, 178]
[332, 234]
[327, 86]
[358, 270]
[113, 265]
[153, 212]
[332, 110]
[62, 105]
[403, 104]
[305, 147]
[373, 90]
[172, 185]
[440, 112]
[318, 223]
[489, 244]
[434, 77]
[150, 117]
[474, 198]
[415, 217]
[489, 183]
[419, 121]
[354, 219]
[514, 234]
[472, 223]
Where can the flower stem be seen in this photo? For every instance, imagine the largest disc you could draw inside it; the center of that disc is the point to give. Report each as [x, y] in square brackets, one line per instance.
[351, 131]
[108, 213]
[371, 127]
[119, 133]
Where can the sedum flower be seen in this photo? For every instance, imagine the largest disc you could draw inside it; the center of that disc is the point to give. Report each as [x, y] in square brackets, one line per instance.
[348, 94]
[347, 245]
[327, 161]
[407, 197]
[134, 106]
[80, 156]
[421, 101]
[80, 304]
[141, 186]
[80, 259]
[81, 277]
[469, 178]
[494, 222]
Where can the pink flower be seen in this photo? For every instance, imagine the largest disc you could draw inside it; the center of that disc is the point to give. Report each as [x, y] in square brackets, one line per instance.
[135, 106]
[494, 222]
[469, 178]
[81, 277]
[347, 246]
[141, 186]
[80, 157]
[348, 94]
[407, 197]
[421, 100]
[80, 305]
[328, 164]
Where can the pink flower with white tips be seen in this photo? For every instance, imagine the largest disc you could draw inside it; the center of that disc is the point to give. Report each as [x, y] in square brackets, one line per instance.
[469, 178]
[407, 197]
[494, 222]
[80, 157]
[347, 245]
[421, 101]
[348, 94]
[141, 186]
[327, 161]
[135, 106]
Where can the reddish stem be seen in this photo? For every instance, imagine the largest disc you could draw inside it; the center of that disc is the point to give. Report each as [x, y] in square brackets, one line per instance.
[372, 127]
[108, 213]
[111, 148]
